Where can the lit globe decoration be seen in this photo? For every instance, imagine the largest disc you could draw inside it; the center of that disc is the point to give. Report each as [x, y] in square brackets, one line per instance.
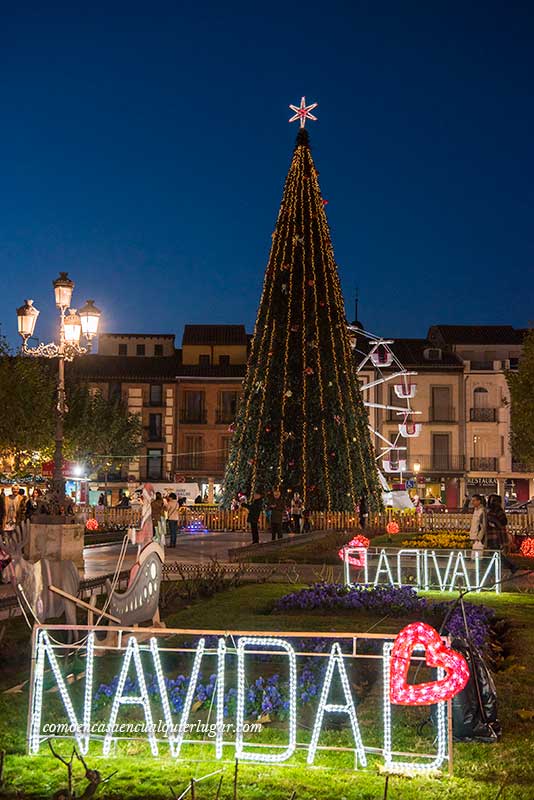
[527, 547]
[91, 524]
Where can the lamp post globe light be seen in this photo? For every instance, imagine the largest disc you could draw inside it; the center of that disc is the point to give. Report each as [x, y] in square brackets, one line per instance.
[72, 326]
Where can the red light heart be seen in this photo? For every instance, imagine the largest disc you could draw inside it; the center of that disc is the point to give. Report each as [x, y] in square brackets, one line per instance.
[437, 655]
[360, 542]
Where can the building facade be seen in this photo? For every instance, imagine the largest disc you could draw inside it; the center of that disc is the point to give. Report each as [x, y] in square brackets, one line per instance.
[188, 397]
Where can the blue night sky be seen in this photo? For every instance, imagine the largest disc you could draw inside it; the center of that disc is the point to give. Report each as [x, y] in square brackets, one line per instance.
[145, 146]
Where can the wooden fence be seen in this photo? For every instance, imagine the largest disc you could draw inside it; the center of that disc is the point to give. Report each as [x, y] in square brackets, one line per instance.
[215, 519]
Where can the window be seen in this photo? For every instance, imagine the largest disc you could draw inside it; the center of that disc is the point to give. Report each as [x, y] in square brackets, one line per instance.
[480, 397]
[115, 391]
[154, 427]
[441, 410]
[224, 361]
[440, 451]
[156, 394]
[140, 349]
[123, 349]
[154, 467]
[193, 410]
[194, 446]
[158, 349]
[227, 407]
[204, 360]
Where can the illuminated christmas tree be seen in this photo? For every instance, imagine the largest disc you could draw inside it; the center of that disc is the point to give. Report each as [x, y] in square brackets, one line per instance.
[302, 425]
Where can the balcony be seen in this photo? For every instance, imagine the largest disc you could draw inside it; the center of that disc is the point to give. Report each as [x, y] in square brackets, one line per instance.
[484, 464]
[190, 416]
[442, 414]
[437, 463]
[483, 414]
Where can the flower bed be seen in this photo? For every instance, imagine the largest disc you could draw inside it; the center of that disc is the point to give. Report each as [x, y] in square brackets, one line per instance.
[392, 600]
[440, 540]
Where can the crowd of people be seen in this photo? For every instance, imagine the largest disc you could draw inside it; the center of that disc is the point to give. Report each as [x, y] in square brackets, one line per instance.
[489, 529]
[17, 504]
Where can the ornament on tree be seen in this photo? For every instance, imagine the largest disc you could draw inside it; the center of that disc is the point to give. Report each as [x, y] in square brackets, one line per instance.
[295, 328]
[308, 371]
[337, 419]
[325, 202]
[232, 427]
[311, 282]
[298, 239]
[288, 394]
[303, 112]
[284, 288]
[284, 267]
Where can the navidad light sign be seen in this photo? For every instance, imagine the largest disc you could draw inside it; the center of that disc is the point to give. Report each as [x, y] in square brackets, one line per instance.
[446, 570]
[234, 655]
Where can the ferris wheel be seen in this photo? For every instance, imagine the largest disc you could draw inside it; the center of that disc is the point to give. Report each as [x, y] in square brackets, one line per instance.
[374, 352]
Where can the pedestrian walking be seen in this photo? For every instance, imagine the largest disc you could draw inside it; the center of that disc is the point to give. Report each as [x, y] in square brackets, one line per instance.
[173, 515]
[254, 511]
[296, 511]
[478, 528]
[497, 535]
[277, 509]
[306, 526]
[157, 509]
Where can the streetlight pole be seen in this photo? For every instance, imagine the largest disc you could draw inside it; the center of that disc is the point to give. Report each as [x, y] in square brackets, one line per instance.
[72, 326]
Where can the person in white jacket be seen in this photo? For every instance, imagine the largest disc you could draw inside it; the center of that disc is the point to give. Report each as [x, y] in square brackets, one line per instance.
[477, 531]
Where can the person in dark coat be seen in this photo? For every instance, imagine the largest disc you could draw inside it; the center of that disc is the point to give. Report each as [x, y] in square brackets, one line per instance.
[277, 508]
[496, 533]
[254, 511]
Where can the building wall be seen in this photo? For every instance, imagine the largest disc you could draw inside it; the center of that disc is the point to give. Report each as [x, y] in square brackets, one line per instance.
[191, 354]
[113, 344]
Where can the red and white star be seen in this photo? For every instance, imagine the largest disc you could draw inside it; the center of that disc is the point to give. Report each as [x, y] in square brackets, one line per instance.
[302, 112]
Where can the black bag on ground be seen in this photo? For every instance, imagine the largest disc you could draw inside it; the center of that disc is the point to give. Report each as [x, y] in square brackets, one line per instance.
[474, 710]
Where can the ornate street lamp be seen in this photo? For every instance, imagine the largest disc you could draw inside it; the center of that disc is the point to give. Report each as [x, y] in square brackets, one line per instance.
[72, 326]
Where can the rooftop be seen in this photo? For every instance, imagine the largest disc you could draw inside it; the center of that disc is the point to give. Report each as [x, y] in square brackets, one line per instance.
[476, 334]
[214, 335]
[165, 368]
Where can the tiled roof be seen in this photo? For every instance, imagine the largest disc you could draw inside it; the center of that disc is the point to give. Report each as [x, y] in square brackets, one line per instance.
[138, 335]
[476, 334]
[410, 353]
[137, 368]
[214, 335]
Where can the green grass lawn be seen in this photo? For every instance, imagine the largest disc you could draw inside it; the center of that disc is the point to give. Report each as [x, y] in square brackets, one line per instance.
[479, 769]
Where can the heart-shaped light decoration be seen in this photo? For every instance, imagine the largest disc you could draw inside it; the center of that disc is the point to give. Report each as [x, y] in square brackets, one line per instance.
[437, 655]
[361, 543]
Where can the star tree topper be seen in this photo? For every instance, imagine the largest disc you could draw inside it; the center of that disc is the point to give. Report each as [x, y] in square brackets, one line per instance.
[302, 112]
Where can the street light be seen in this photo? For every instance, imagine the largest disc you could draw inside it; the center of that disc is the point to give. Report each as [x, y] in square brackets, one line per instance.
[71, 327]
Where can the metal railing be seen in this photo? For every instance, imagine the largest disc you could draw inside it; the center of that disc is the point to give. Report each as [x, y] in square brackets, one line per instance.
[438, 463]
[485, 464]
[483, 414]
